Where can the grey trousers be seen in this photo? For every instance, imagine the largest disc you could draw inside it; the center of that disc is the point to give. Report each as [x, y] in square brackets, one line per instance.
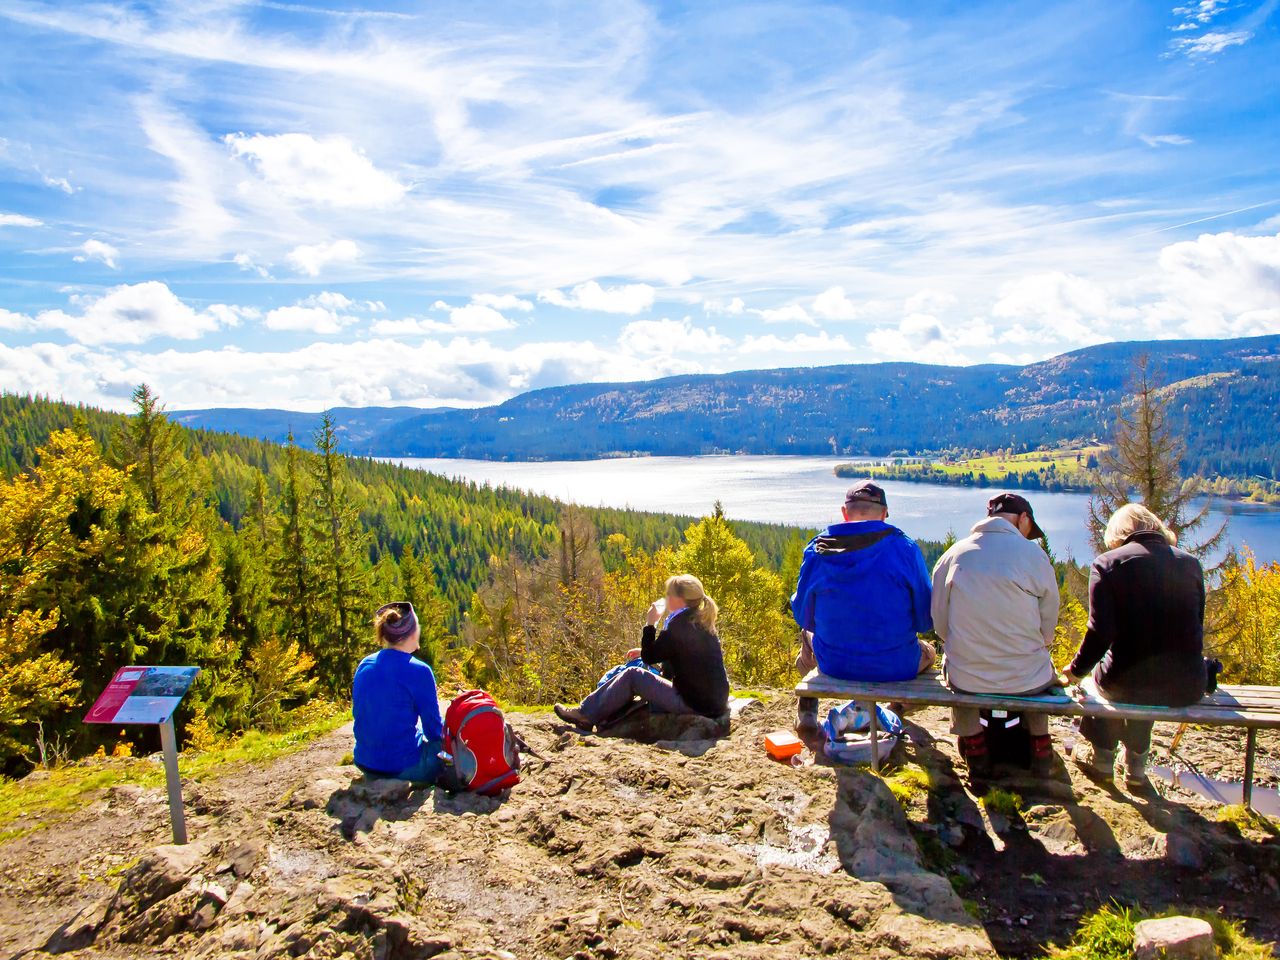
[616, 695]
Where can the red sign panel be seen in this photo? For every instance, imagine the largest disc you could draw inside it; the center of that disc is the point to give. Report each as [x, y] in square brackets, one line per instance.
[142, 695]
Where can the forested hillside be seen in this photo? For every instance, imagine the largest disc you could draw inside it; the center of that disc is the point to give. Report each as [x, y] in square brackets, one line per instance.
[1224, 399]
[130, 539]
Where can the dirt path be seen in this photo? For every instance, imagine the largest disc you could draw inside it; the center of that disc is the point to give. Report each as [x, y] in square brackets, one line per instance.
[618, 849]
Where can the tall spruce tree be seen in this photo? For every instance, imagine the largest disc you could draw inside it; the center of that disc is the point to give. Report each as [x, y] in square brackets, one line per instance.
[342, 562]
[294, 582]
[1144, 464]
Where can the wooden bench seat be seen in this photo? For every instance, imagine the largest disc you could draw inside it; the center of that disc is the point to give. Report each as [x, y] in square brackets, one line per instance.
[1253, 708]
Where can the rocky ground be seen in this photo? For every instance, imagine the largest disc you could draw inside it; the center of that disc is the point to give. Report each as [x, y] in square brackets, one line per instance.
[614, 848]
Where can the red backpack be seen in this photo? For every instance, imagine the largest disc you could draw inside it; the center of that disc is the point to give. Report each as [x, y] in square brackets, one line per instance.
[484, 749]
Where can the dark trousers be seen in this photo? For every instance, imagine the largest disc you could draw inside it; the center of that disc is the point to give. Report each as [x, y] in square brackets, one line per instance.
[1104, 733]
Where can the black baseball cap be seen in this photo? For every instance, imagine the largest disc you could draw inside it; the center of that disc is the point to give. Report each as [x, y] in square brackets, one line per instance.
[1012, 503]
[865, 491]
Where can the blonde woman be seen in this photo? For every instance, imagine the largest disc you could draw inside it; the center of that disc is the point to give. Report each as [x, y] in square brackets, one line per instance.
[1145, 637]
[688, 648]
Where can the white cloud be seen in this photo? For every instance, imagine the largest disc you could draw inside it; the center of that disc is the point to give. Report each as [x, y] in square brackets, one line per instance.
[833, 304]
[136, 313]
[1056, 307]
[247, 262]
[630, 298]
[1218, 285]
[1213, 43]
[307, 319]
[675, 337]
[58, 183]
[473, 317]
[792, 313]
[733, 308]
[1165, 139]
[97, 250]
[18, 220]
[312, 258]
[330, 171]
[929, 301]
[821, 343]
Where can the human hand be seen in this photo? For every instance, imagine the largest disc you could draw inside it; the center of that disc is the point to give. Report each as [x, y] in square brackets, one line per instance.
[633, 653]
[654, 615]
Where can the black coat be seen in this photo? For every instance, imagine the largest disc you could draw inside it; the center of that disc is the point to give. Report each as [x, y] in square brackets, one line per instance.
[1146, 624]
[692, 660]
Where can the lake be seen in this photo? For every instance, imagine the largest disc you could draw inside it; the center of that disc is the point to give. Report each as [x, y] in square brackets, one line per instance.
[804, 492]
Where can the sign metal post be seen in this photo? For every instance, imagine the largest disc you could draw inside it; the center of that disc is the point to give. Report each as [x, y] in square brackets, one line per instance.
[149, 695]
[169, 745]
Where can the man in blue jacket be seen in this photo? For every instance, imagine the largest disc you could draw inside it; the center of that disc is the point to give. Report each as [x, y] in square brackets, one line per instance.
[862, 598]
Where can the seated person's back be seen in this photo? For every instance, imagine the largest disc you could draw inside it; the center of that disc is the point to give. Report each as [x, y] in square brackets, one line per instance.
[863, 592]
[995, 598]
[398, 729]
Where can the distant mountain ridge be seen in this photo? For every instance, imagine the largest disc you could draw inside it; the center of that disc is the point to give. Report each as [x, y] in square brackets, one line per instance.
[1224, 396]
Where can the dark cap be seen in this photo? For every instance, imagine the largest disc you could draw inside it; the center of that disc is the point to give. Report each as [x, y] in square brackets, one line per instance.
[865, 491]
[401, 629]
[1012, 503]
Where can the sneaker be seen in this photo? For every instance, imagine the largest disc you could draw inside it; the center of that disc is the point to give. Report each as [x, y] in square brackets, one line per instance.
[1135, 770]
[1095, 763]
[807, 716]
[1042, 756]
[573, 716]
[973, 750]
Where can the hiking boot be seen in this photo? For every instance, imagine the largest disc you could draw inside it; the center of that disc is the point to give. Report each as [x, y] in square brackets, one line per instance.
[573, 716]
[807, 715]
[973, 750]
[1135, 770]
[1042, 756]
[1095, 763]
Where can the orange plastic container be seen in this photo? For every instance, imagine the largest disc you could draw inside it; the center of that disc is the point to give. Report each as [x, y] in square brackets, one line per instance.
[782, 745]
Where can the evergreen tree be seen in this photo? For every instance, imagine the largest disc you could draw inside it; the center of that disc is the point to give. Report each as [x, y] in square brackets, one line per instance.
[341, 563]
[293, 578]
[1145, 460]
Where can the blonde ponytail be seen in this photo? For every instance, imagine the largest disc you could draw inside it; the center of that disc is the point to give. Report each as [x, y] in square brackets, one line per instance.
[701, 607]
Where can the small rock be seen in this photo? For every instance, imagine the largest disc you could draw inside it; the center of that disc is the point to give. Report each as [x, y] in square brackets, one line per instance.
[999, 822]
[1183, 851]
[238, 903]
[952, 834]
[244, 857]
[383, 791]
[81, 929]
[1173, 938]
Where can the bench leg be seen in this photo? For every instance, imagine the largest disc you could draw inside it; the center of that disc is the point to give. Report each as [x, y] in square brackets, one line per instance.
[875, 730]
[1250, 748]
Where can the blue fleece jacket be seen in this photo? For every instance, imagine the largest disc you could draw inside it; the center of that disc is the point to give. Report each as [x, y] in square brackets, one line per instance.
[864, 591]
[394, 702]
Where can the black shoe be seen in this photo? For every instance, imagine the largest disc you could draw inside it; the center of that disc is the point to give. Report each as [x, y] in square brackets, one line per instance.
[573, 716]
[973, 750]
[807, 716]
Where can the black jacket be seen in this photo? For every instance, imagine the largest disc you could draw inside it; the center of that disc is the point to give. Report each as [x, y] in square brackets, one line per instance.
[1146, 624]
[693, 662]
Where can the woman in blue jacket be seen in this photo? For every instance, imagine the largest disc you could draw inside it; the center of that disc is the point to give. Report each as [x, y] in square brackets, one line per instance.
[397, 716]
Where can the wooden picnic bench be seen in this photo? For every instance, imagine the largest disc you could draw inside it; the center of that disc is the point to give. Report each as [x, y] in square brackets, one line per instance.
[1254, 708]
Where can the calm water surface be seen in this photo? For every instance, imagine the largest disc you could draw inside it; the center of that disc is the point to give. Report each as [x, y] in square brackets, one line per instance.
[804, 492]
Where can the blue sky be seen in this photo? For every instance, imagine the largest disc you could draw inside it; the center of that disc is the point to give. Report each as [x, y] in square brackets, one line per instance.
[302, 205]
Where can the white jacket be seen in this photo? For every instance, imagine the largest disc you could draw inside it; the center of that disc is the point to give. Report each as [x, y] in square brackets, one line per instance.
[995, 606]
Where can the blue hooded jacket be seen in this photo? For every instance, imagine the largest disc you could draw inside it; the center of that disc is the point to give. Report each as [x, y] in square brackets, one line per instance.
[864, 591]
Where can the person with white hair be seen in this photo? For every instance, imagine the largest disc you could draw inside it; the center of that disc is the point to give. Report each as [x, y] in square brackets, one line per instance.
[1145, 638]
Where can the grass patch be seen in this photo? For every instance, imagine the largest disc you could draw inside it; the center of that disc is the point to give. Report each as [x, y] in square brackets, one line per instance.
[1242, 818]
[1107, 934]
[764, 696]
[1005, 802]
[24, 804]
[908, 782]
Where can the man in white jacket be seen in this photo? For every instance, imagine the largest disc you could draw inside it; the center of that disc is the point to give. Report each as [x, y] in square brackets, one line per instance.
[995, 607]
